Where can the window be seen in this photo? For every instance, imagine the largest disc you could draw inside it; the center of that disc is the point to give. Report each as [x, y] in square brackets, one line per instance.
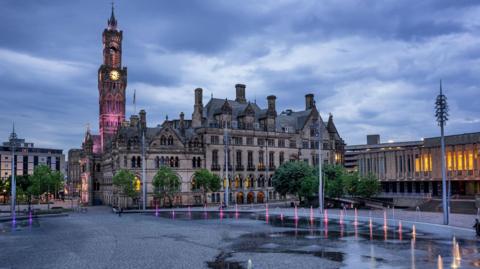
[470, 160]
[417, 163]
[271, 159]
[293, 144]
[237, 140]
[194, 162]
[260, 157]
[305, 144]
[214, 140]
[239, 158]
[260, 141]
[449, 161]
[134, 161]
[281, 143]
[282, 158]
[157, 162]
[271, 142]
[199, 162]
[250, 159]
[459, 160]
[215, 157]
[250, 141]
[170, 140]
[125, 161]
[177, 162]
[163, 140]
[139, 161]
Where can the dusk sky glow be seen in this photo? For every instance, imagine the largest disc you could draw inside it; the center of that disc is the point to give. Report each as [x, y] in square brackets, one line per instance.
[375, 65]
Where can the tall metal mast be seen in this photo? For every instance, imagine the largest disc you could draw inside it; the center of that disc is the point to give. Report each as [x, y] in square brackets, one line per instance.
[441, 112]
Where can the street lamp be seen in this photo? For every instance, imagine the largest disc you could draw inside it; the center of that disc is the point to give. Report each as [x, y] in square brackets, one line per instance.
[226, 190]
[441, 113]
[13, 141]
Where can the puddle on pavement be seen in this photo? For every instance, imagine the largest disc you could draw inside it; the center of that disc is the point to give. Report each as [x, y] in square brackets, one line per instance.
[19, 225]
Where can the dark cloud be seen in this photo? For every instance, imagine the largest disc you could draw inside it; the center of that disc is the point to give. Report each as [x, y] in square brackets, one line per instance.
[375, 65]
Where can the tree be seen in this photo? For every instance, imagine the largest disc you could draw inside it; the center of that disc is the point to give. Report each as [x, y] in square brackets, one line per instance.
[125, 181]
[334, 179]
[295, 178]
[166, 183]
[44, 180]
[368, 186]
[206, 181]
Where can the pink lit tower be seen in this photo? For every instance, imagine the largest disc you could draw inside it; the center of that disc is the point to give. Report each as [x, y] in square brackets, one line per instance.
[112, 82]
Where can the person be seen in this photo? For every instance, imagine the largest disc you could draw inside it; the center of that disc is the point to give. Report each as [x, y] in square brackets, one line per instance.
[477, 227]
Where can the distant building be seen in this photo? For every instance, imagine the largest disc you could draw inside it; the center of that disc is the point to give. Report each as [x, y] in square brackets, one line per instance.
[27, 157]
[260, 140]
[414, 167]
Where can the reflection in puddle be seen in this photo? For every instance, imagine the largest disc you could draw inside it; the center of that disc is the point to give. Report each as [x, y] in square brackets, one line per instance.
[360, 245]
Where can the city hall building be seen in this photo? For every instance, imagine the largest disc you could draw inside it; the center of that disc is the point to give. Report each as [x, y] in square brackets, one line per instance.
[415, 167]
[260, 139]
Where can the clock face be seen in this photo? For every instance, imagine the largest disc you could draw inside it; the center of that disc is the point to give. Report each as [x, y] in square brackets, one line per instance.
[114, 75]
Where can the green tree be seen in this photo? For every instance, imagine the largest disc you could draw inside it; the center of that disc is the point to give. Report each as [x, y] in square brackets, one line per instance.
[206, 181]
[295, 178]
[368, 186]
[166, 183]
[350, 183]
[334, 180]
[125, 181]
[44, 180]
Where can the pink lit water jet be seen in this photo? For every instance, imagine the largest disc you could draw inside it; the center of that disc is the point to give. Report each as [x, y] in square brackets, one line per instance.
[236, 211]
[281, 217]
[325, 216]
[341, 217]
[400, 230]
[221, 211]
[173, 214]
[189, 212]
[385, 226]
[156, 209]
[296, 214]
[311, 214]
[370, 226]
[266, 213]
[355, 222]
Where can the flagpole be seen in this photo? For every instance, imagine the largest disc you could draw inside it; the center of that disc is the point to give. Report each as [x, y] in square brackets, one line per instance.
[134, 102]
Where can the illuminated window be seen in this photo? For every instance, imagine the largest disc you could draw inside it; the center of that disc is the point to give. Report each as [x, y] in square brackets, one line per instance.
[470, 161]
[460, 160]
[417, 164]
[426, 162]
[449, 161]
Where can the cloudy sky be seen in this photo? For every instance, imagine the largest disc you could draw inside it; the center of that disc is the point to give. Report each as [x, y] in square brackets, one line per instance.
[375, 65]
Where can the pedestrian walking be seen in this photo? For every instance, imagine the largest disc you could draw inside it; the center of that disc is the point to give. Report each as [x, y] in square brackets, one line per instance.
[476, 226]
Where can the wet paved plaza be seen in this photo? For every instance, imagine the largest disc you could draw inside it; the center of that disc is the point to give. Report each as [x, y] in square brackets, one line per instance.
[198, 239]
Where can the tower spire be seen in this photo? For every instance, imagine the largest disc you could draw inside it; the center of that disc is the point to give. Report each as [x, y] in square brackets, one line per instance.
[441, 87]
[112, 22]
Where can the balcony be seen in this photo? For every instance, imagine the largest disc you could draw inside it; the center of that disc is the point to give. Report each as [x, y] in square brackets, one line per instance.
[239, 168]
[251, 168]
[272, 168]
[215, 167]
[261, 167]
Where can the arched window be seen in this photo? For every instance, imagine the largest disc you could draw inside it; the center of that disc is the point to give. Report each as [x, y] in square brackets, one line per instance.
[162, 161]
[172, 162]
[163, 140]
[125, 161]
[170, 140]
[157, 162]
[176, 161]
[199, 162]
[139, 161]
[194, 162]
[193, 184]
[195, 143]
[133, 161]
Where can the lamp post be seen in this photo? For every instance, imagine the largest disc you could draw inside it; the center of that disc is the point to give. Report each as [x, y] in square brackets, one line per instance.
[144, 187]
[441, 113]
[226, 190]
[13, 141]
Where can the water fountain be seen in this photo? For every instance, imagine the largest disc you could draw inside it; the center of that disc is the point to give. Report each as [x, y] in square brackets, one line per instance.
[400, 230]
[370, 226]
[412, 253]
[266, 213]
[385, 226]
[414, 232]
[281, 217]
[355, 222]
[173, 213]
[341, 217]
[189, 212]
[439, 262]
[221, 211]
[311, 214]
[249, 264]
[296, 214]
[417, 215]
[236, 211]
[325, 216]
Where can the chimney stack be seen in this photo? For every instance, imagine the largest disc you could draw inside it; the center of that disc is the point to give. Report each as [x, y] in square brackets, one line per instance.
[373, 139]
[240, 90]
[197, 108]
[271, 105]
[309, 102]
[143, 119]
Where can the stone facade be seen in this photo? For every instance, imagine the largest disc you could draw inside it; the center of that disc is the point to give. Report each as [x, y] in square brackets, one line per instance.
[414, 168]
[259, 141]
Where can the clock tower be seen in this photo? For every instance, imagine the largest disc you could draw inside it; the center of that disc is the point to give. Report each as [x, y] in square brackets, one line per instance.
[112, 82]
